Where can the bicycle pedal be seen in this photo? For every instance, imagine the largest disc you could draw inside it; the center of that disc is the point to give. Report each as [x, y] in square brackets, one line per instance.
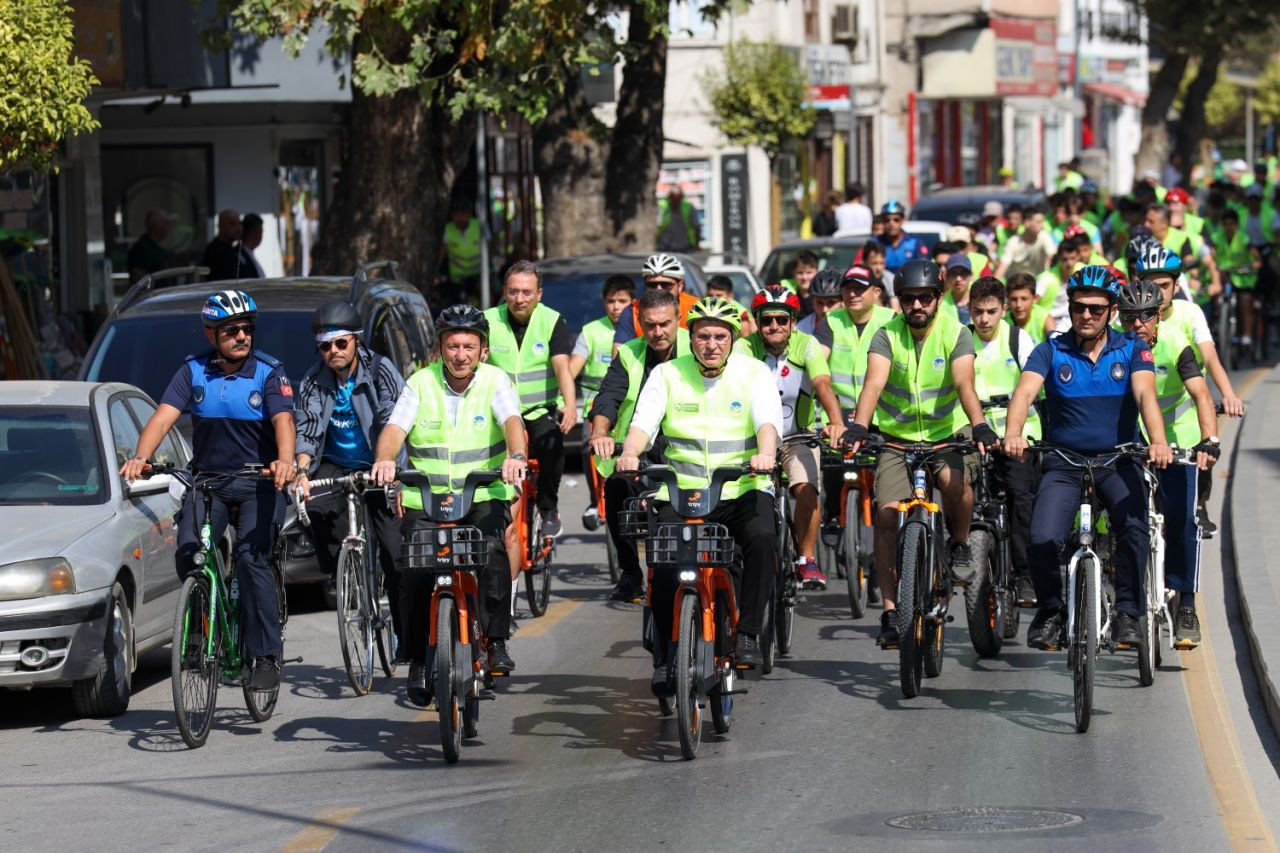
[1124, 647]
[485, 697]
[742, 667]
[888, 646]
[950, 618]
[734, 692]
[1184, 646]
[298, 659]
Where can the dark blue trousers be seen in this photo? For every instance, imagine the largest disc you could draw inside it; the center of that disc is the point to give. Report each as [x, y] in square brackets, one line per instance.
[1178, 487]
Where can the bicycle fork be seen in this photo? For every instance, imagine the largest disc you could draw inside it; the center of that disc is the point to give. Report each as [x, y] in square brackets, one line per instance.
[1095, 569]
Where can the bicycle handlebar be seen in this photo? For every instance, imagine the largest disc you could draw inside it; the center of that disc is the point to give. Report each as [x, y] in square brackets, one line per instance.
[697, 502]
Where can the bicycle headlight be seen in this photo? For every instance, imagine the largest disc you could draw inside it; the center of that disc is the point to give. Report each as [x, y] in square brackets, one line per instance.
[1086, 537]
[36, 578]
[444, 580]
[688, 576]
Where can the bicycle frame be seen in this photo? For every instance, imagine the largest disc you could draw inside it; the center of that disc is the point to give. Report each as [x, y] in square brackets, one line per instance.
[526, 496]
[1086, 533]
[224, 617]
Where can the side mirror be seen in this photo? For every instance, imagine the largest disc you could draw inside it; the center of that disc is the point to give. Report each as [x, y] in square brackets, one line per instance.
[151, 486]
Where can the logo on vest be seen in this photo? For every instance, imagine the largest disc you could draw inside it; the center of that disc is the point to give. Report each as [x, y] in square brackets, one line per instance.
[1009, 361]
[1065, 373]
[478, 421]
[539, 347]
[255, 399]
[939, 363]
[197, 394]
[1117, 371]
[499, 347]
[735, 407]
[1161, 369]
[687, 407]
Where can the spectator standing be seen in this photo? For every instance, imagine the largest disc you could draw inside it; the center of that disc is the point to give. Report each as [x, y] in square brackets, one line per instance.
[853, 217]
[462, 251]
[250, 239]
[222, 255]
[824, 222]
[148, 254]
[678, 224]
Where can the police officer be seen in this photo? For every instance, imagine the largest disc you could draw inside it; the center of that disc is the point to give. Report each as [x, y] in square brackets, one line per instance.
[457, 415]
[241, 407]
[344, 401]
[531, 344]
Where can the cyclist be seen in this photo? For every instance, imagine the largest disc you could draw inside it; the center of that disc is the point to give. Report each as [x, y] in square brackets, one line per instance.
[530, 343]
[824, 292]
[1180, 214]
[919, 387]
[1241, 261]
[722, 286]
[590, 359]
[1024, 311]
[610, 418]
[663, 271]
[1190, 422]
[802, 376]
[708, 406]
[958, 276]
[873, 258]
[455, 416]
[344, 401]
[1189, 248]
[241, 407]
[1073, 250]
[899, 246]
[1097, 382]
[1001, 351]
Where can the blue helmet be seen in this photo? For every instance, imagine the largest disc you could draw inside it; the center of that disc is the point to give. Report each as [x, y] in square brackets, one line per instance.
[228, 305]
[1155, 259]
[893, 206]
[1094, 277]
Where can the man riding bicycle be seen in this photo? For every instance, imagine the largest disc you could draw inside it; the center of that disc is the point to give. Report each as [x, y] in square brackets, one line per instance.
[241, 407]
[662, 271]
[824, 295]
[457, 415]
[1096, 382]
[344, 401]
[708, 407]
[801, 374]
[919, 387]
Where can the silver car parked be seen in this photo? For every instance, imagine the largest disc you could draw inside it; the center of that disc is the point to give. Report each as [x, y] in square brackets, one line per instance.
[87, 579]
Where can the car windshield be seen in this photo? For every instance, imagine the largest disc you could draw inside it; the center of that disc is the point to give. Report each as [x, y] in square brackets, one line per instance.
[146, 350]
[781, 262]
[49, 455]
[577, 296]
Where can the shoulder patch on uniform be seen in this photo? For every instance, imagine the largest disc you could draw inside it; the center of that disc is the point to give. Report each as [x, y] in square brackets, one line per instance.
[1148, 356]
[285, 388]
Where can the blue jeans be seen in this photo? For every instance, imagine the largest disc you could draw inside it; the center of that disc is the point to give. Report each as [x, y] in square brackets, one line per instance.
[1178, 488]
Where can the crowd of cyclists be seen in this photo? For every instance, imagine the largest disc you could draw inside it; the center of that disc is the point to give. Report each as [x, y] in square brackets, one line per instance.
[1081, 325]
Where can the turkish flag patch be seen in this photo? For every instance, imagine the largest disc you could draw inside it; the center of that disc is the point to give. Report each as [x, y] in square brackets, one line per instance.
[285, 388]
[1148, 357]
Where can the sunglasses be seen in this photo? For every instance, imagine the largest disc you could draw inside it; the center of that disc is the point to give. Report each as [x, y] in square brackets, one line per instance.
[1094, 310]
[234, 331]
[893, 219]
[340, 343]
[926, 299]
[775, 320]
[1129, 317]
[663, 283]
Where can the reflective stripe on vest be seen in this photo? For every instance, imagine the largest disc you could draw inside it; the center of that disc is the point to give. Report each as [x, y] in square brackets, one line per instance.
[919, 401]
[447, 452]
[528, 364]
[848, 360]
[995, 373]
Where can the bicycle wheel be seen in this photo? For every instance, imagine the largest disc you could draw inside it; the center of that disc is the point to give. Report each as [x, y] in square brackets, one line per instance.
[446, 684]
[984, 604]
[355, 619]
[385, 634]
[1084, 644]
[784, 612]
[721, 701]
[914, 555]
[855, 566]
[768, 654]
[537, 581]
[195, 671]
[611, 552]
[688, 710]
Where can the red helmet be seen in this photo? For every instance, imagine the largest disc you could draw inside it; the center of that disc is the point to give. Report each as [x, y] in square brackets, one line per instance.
[1177, 194]
[775, 299]
[1074, 231]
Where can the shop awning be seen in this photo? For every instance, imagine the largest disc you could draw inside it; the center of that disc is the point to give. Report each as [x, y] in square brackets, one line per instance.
[1115, 92]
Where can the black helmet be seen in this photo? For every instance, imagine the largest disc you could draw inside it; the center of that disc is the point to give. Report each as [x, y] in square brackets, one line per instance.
[336, 316]
[916, 274]
[463, 317]
[825, 284]
[1139, 239]
[1139, 295]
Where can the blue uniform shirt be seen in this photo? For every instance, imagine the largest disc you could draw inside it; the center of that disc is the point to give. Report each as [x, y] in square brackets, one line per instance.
[231, 413]
[909, 248]
[344, 441]
[1090, 407]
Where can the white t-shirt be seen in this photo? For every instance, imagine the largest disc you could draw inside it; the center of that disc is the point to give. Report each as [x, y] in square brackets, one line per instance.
[581, 347]
[854, 217]
[651, 406]
[504, 405]
[1025, 345]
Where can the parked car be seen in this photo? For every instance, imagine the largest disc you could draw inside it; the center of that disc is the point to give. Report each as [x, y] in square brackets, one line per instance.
[745, 283]
[835, 252]
[87, 578]
[154, 327]
[947, 204]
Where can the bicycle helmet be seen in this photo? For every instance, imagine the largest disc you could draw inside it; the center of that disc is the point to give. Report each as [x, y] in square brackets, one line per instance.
[893, 207]
[1139, 295]
[776, 299]
[826, 284]
[663, 264]
[1137, 244]
[465, 318]
[336, 319]
[1094, 277]
[1177, 194]
[717, 309]
[1157, 260]
[916, 274]
[228, 305]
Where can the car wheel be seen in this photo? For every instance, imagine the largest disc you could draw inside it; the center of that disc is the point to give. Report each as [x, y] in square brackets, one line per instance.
[106, 694]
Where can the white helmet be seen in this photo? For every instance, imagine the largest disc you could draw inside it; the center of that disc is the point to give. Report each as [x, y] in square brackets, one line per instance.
[663, 264]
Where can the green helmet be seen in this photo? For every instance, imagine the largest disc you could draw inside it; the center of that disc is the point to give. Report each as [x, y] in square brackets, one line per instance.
[715, 308]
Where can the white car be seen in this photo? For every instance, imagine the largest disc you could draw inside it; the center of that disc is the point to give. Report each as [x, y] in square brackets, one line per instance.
[87, 577]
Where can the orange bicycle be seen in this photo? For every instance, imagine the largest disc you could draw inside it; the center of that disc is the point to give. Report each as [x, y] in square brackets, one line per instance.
[597, 489]
[856, 550]
[534, 551]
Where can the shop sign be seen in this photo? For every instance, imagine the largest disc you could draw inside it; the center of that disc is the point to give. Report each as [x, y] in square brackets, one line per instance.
[1026, 57]
[735, 200]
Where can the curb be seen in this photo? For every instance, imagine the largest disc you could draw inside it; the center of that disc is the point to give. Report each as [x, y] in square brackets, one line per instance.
[1259, 603]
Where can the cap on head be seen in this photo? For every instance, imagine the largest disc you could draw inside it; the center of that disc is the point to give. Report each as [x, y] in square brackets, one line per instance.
[992, 208]
[959, 261]
[1177, 194]
[858, 275]
[956, 234]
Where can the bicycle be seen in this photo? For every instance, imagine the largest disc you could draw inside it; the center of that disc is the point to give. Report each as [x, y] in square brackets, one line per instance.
[364, 622]
[457, 645]
[1159, 616]
[535, 551]
[856, 522]
[924, 580]
[597, 487]
[991, 598]
[207, 645]
[782, 608]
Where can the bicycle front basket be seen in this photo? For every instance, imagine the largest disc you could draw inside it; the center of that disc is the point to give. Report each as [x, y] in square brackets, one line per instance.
[690, 545]
[633, 520]
[436, 549]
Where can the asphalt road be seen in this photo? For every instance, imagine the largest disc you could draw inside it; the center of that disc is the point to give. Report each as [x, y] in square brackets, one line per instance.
[573, 755]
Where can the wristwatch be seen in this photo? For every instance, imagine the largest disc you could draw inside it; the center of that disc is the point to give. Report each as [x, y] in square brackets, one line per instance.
[1214, 440]
[519, 456]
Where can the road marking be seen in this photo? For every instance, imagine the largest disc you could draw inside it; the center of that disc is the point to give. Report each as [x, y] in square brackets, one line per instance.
[556, 612]
[321, 830]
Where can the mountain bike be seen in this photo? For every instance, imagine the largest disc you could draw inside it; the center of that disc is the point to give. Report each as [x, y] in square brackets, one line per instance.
[364, 619]
[453, 552]
[208, 645]
[991, 598]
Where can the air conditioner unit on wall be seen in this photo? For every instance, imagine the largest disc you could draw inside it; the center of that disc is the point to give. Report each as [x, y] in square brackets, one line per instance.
[844, 25]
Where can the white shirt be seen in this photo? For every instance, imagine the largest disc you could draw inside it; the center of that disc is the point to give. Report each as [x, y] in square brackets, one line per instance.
[504, 405]
[854, 217]
[581, 346]
[1025, 345]
[791, 382]
[651, 406]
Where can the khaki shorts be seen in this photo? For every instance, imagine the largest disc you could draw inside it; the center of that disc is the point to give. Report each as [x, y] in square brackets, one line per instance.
[893, 480]
[799, 463]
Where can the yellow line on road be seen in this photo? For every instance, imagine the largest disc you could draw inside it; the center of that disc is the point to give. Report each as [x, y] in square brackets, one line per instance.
[322, 829]
[556, 612]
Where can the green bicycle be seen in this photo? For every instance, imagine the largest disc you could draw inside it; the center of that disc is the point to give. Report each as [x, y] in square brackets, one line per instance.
[208, 645]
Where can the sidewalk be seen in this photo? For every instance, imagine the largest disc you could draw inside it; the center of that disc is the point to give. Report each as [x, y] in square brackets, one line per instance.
[1254, 515]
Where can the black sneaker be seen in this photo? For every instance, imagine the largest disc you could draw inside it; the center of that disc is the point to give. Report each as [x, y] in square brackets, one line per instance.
[591, 519]
[551, 525]
[1045, 632]
[888, 638]
[961, 562]
[419, 688]
[1186, 629]
[1026, 592]
[630, 588]
[1125, 631]
[1207, 527]
[660, 684]
[746, 654]
[266, 673]
[500, 662]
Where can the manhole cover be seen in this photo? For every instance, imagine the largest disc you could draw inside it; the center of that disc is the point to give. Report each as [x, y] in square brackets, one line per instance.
[985, 819]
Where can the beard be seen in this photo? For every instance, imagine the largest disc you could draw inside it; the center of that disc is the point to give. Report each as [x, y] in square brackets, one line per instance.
[917, 319]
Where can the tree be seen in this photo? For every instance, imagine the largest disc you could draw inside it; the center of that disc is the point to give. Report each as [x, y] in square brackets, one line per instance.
[43, 85]
[759, 98]
[1267, 100]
